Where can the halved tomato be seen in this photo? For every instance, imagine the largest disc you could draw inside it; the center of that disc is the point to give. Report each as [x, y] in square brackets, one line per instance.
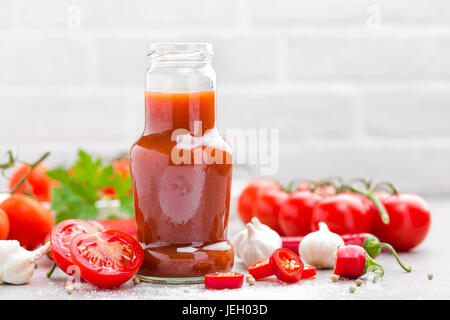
[261, 269]
[286, 265]
[106, 259]
[224, 280]
[62, 235]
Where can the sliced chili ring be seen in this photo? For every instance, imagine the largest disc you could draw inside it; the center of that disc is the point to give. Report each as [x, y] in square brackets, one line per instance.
[286, 265]
[261, 269]
[224, 280]
[309, 272]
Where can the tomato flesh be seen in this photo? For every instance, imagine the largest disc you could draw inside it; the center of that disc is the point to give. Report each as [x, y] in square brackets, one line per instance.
[261, 269]
[224, 280]
[106, 259]
[308, 272]
[286, 265]
[61, 238]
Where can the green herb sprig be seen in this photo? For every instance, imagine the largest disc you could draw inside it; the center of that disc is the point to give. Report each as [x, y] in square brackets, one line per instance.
[83, 185]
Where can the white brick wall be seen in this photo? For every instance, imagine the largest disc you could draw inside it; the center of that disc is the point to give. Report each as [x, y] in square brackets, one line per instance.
[356, 87]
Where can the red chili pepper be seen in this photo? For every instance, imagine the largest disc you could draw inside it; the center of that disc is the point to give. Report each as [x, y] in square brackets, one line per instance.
[353, 261]
[286, 265]
[372, 245]
[367, 241]
[291, 243]
[308, 272]
[224, 280]
[261, 269]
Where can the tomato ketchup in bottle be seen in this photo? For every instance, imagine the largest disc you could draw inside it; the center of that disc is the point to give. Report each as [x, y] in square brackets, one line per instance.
[181, 169]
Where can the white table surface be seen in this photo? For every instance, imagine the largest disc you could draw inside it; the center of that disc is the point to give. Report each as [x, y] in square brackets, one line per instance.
[432, 256]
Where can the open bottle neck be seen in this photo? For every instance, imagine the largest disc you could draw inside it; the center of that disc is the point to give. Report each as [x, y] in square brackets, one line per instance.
[191, 111]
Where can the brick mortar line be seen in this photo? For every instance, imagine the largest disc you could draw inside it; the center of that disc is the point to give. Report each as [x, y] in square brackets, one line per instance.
[279, 87]
[235, 30]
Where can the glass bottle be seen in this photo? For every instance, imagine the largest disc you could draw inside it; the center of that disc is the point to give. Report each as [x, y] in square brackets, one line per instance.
[181, 169]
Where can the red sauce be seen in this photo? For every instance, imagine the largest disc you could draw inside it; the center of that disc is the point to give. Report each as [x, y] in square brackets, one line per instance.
[182, 207]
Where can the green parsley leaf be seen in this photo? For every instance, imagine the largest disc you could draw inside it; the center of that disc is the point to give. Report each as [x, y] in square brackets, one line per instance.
[83, 184]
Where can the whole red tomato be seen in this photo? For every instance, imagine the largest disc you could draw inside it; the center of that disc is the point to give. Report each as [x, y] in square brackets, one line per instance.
[38, 183]
[122, 167]
[373, 211]
[295, 213]
[409, 224]
[30, 222]
[247, 199]
[343, 213]
[4, 225]
[267, 207]
[324, 191]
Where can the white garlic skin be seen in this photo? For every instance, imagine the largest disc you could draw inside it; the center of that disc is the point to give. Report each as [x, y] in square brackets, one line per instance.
[256, 242]
[318, 248]
[16, 263]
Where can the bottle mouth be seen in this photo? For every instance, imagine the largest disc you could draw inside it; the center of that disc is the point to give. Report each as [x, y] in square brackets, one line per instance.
[181, 52]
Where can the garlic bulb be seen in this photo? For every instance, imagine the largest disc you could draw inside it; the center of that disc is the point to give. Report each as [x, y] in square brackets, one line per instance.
[318, 248]
[16, 263]
[256, 242]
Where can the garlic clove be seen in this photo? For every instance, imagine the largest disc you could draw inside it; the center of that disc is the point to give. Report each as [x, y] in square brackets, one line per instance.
[256, 242]
[318, 248]
[17, 264]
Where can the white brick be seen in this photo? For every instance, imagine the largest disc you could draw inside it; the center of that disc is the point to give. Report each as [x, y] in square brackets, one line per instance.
[350, 12]
[76, 119]
[131, 13]
[408, 112]
[369, 57]
[299, 114]
[43, 60]
[122, 60]
[247, 59]
[5, 14]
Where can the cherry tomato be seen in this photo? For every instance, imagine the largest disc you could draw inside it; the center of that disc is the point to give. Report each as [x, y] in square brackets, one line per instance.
[286, 265]
[370, 206]
[324, 191]
[4, 225]
[309, 272]
[247, 199]
[122, 166]
[343, 213]
[125, 225]
[409, 224]
[38, 183]
[295, 213]
[62, 235]
[261, 269]
[106, 259]
[224, 280]
[267, 207]
[30, 221]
